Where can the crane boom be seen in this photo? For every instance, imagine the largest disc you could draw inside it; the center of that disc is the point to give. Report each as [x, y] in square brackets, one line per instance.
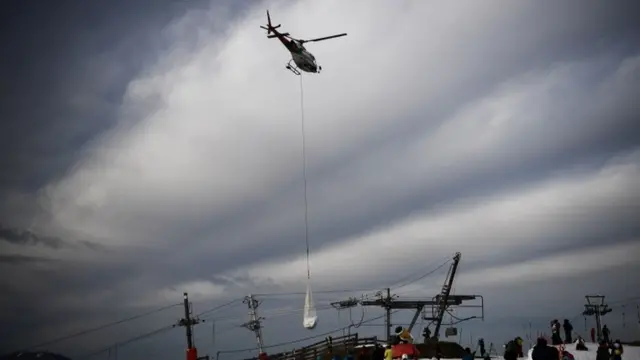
[444, 294]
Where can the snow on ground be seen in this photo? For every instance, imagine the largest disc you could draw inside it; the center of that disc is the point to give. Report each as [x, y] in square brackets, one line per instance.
[630, 352]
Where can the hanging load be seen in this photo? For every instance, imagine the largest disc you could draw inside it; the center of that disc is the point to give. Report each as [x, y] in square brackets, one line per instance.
[310, 318]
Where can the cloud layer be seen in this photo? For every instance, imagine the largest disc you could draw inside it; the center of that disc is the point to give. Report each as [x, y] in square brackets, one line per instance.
[505, 132]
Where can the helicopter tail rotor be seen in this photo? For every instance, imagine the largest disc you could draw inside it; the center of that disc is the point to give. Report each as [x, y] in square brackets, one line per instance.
[270, 27]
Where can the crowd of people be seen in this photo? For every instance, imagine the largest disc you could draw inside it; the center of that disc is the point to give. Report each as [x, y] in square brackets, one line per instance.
[607, 349]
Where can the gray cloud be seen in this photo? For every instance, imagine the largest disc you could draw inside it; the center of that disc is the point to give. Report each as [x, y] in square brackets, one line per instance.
[25, 237]
[508, 133]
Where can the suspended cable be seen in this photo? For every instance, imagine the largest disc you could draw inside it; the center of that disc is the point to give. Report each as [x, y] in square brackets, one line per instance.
[409, 277]
[101, 327]
[422, 276]
[337, 291]
[304, 176]
[363, 310]
[219, 307]
[128, 341]
[303, 339]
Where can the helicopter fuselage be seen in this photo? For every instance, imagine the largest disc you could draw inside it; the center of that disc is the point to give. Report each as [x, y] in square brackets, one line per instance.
[303, 59]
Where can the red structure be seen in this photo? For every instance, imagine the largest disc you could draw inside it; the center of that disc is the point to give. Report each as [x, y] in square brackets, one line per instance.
[192, 354]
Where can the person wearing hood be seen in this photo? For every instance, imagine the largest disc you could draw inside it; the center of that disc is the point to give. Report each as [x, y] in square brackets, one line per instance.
[541, 351]
[511, 350]
[568, 330]
[603, 351]
[519, 342]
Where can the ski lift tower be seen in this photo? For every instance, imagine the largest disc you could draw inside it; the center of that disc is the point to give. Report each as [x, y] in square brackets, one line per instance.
[439, 304]
[596, 306]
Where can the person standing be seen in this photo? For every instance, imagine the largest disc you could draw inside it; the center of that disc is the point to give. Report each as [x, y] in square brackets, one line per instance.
[593, 335]
[388, 353]
[603, 351]
[511, 350]
[482, 348]
[555, 333]
[568, 330]
[606, 334]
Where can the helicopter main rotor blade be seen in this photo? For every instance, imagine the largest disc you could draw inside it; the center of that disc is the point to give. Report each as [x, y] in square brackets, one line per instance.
[324, 38]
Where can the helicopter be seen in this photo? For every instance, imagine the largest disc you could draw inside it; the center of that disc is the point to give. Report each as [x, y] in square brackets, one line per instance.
[301, 59]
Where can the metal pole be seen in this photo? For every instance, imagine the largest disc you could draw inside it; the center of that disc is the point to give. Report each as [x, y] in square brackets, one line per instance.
[388, 315]
[187, 318]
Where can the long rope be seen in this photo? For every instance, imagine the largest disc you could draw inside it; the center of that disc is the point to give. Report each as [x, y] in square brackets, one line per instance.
[304, 175]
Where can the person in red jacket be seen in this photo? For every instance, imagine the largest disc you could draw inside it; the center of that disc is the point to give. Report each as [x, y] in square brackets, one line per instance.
[593, 335]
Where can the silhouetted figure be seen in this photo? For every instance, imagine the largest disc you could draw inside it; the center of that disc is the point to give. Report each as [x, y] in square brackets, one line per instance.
[481, 346]
[580, 346]
[555, 333]
[606, 334]
[555, 353]
[511, 350]
[438, 350]
[541, 351]
[364, 354]
[426, 334]
[378, 352]
[593, 335]
[568, 330]
[603, 351]
[519, 346]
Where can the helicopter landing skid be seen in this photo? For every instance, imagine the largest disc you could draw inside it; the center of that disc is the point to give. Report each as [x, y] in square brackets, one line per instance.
[292, 68]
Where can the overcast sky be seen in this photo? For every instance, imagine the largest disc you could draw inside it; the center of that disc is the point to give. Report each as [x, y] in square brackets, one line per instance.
[153, 147]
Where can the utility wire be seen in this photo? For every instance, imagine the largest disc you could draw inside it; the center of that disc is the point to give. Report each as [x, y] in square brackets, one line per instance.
[219, 307]
[315, 292]
[128, 341]
[409, 281]
[304, 339]
[101, 327]
[404, 281]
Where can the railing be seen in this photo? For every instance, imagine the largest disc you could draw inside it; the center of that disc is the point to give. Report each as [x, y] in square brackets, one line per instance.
[325, 349]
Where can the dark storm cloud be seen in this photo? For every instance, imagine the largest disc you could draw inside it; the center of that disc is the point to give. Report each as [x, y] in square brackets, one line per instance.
[21, 259]
[66, 68]
[26, 237]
